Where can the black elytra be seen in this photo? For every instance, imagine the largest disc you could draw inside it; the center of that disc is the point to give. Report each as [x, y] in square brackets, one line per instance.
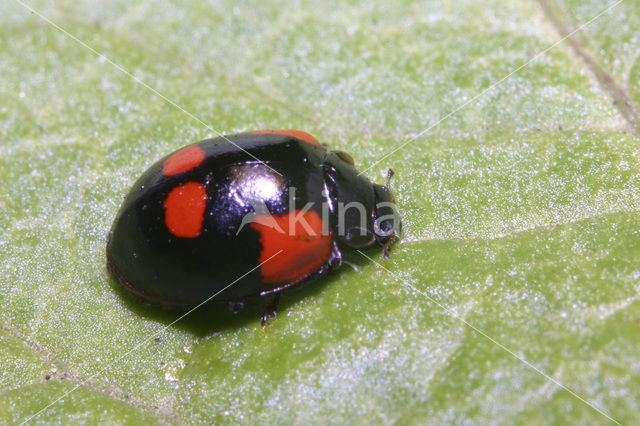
[276, 213]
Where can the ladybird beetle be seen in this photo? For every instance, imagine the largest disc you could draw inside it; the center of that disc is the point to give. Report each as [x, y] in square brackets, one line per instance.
[273, 207]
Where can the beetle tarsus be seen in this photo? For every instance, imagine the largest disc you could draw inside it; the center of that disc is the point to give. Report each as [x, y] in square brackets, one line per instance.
[271, 310]
[387, 246]
[335, 261]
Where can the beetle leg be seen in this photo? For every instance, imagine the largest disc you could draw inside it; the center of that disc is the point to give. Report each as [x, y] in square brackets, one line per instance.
[387, 245]
[335, 261]
[271, 309]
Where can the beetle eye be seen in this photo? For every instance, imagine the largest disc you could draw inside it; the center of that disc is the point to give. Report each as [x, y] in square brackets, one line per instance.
[345, 157]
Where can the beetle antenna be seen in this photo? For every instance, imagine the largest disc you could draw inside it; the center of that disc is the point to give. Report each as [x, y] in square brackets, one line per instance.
[390, 174]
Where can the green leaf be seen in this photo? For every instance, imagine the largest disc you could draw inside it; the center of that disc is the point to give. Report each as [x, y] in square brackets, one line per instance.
[513, 296]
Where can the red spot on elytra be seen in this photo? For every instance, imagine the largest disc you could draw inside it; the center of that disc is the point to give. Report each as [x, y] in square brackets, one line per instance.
[183, 160]
[184, 209]
[303, 136]
[303, 252]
